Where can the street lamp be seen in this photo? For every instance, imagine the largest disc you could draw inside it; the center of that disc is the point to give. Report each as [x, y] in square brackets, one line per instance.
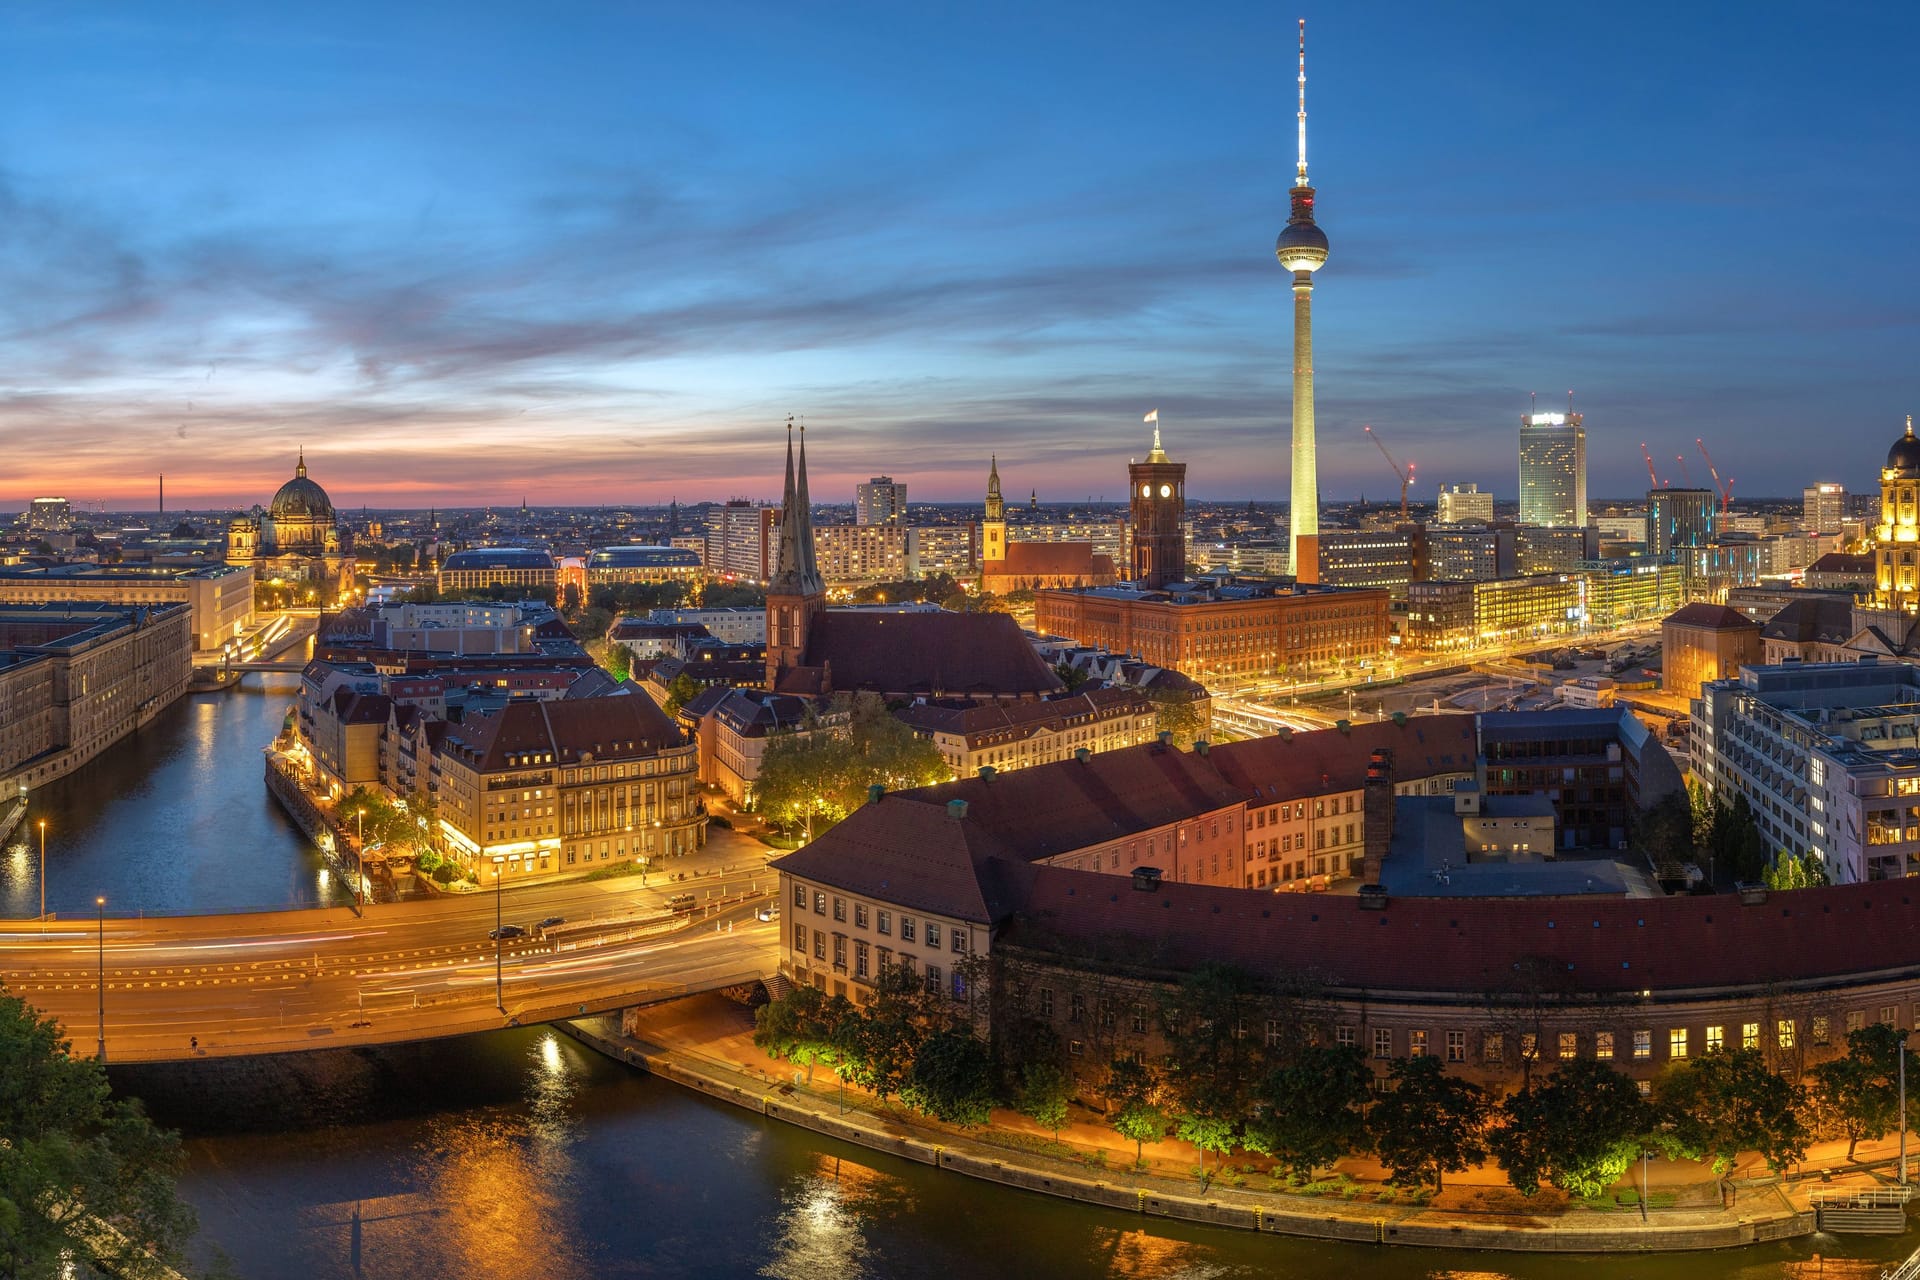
[1903, 1108]
[101, 982]
[499, 989]
[360, 860]
[43, 871]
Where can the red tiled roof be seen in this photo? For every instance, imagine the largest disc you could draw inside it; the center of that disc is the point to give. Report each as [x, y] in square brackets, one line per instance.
[1016, 721]
[1278, 768]
[910, 852]
[1474, 944]
[1842, 562]
[1051, 560]
[614, 727]
[933, 654]
[1710, 617]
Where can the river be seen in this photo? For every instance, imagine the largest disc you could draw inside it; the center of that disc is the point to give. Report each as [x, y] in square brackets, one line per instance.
[522, 1154]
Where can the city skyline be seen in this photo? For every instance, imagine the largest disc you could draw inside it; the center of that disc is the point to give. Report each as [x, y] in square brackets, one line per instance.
[599, 265]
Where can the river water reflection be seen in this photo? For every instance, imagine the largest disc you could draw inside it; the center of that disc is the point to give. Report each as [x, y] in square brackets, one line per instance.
[522, 1154]
[174, 819]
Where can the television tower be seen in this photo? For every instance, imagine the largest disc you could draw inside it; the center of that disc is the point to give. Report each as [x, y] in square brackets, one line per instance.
[1302, 249]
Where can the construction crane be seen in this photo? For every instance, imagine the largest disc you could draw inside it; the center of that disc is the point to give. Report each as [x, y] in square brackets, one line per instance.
[1648, 455]
[1724, 487]
[1686, 473]
[1406, 476]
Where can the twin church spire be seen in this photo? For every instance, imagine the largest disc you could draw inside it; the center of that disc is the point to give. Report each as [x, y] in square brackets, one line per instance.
[796, 568]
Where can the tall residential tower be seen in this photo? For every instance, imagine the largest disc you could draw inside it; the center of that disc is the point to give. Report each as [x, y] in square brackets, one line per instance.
[1302, 249]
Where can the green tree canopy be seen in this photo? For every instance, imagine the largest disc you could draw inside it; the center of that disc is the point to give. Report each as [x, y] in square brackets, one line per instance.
[951, 1078]
[1795, 871]
[1717, 1106]
[1213, 1024]
[1858, 1096]
[1429, 1124]
[1578, 1130]
[823, 771]
[1178, 714]
[1044, 1092]
[74, 1158]
[682, 690]
[1133, 1093]
[804, 1026]
[1312, 1111]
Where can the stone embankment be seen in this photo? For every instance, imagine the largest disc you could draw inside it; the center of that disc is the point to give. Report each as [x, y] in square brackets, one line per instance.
[1758, 1213]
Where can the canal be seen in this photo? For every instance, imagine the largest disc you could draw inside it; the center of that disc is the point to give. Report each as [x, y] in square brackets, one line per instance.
[520, 1153]
[174, 819]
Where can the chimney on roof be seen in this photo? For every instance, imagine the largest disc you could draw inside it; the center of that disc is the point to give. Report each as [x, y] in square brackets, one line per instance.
[1146, 879]
[1376, 815]
[1373, 897]
[1344, 726]
[956, 809]
[1082, 754]
[1166, 737]
[986, 772]
[1400, 718]
[1201, 746]
[874, 793]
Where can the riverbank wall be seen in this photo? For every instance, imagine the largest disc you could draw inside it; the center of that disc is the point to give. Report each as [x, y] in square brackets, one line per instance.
[1758, 1215]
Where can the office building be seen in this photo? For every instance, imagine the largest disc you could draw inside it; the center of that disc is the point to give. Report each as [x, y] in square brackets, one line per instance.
[1703, 643]
[610, 566]
[1823, 507]
[1469, 553]
[1538, 549]
[49, 515]
[1229, 629]
[740, 540]
[1445, 616]
[1553, 469]
[1464, 504]
[1385, 558]
[219, 596]
[855, 554]
[497, 567]
[1827, 755]
[880, 501]
[1681, 518]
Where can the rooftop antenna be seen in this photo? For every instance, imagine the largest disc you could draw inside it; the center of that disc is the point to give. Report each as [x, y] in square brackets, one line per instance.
[1569, 402]
[1301, 181]
[1533, 398]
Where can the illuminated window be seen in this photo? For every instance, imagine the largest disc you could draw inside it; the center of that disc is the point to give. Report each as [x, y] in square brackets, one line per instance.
[1603, 1044]
[1749, 1035]
[1643, 1044]
[1677, 1042]
[1569, 1044]
[1493, 1048]
[1416, 1044]
[1716, 1039]
[1785, 1033]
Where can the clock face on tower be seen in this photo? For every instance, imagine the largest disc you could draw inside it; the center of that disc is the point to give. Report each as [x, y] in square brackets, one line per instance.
[1166, 491]
[1146, 491]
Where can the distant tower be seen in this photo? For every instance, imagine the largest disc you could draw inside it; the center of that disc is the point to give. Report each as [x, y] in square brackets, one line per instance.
[993, 529]
[1033, 500]
[1158, 504]
[1302, 249]
[796, 592]
[1899, 526]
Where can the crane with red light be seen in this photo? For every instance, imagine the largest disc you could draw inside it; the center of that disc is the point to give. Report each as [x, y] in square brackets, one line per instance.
[1405, 477]
[1723, 487]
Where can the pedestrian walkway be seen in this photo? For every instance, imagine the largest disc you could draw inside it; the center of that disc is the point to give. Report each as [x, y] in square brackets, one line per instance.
[706, 1044]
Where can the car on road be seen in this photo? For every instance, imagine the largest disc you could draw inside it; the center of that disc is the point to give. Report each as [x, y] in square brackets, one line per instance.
[767, 913]
[507, 931]
[549, 923]
[680, 902]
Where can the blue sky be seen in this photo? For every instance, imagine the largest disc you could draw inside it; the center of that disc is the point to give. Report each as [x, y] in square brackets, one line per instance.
[597, 253]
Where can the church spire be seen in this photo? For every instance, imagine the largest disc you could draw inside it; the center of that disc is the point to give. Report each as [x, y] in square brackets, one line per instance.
[996, 509]
[796, 572]
[300, 467]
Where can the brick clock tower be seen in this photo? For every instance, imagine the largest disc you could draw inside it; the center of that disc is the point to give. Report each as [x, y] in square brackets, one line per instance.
[1158, 502]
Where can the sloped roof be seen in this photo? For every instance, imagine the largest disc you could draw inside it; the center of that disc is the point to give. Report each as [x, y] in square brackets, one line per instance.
[1473, 945]
[1278, 768]
[612, 727]
[1015, 721]
[1827, 619]
[1709, 617]
[1844, 562]
[931, 654]
[910, 852]
[1051, 560]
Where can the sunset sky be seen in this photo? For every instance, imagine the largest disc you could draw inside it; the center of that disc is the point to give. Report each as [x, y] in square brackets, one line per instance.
[597, 253]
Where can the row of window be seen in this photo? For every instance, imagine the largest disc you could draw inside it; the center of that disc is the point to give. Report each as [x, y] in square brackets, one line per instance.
[881, 921]
[1606, 1045]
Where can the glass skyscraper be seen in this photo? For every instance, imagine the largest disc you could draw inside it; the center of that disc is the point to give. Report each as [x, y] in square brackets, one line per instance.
[1553, 469]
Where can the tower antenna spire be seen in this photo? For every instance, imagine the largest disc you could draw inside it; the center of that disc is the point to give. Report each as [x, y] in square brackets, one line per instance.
[1301, 179]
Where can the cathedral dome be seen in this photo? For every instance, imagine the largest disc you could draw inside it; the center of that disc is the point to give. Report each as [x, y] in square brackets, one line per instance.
[301, 499]
[1905, 454]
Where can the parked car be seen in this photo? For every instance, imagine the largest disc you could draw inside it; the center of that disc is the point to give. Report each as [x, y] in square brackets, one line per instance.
[507, 931]
[768, 913]
[548, 923]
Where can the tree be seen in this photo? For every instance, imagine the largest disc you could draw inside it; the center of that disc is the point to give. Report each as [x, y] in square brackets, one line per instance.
[1071, 676]
[951, 1078]
[1716, 1106]
[1665, 832]
[1044, 1090]
[72, 1153]
[680, 691]
[803, 1026]
[1177, 713]
[1212, 1025]
[1312, 1111]
[884, 1040]
[1579, 1130]
[1858, 1096]
[823, 771]
[1795, 871]
[1132, 1092]
[1429, 1124]
[1206, 1133]
[1734, 841]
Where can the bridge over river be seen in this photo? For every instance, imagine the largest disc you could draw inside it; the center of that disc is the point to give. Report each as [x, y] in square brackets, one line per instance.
[284, 981]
